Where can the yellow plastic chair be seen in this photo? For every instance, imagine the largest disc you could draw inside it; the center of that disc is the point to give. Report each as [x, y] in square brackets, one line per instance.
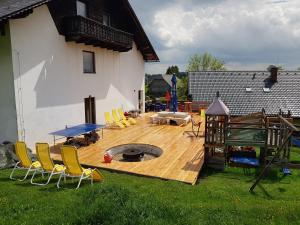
[25, 162]
[116, 118]
[123, 117]
[48, 167]
[110, 123]
[74, 169]
[202, 115]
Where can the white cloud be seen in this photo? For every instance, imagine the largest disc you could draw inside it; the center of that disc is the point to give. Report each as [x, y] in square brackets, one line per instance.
[240, 32]
[175, 26]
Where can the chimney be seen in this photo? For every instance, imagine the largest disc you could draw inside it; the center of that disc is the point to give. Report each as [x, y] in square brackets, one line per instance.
[274, 73]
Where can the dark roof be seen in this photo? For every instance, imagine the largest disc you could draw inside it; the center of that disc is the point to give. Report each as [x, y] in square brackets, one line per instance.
[261, 91]
[149, 78]
[162, 78]
[11, 8]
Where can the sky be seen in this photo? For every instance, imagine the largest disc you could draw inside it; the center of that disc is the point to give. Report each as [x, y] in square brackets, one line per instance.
[245, 34]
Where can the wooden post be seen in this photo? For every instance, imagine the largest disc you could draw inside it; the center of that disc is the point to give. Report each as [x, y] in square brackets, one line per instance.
[206, 149]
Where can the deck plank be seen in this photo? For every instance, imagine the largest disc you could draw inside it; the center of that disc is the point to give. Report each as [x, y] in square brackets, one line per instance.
[182, 158]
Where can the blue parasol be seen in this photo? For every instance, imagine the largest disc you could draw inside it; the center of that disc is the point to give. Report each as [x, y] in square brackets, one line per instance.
[174, 100]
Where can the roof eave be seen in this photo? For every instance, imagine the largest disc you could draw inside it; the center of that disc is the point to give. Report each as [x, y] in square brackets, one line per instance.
[23, 10]
[154, 57]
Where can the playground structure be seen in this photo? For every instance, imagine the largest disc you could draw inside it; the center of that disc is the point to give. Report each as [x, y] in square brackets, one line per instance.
[240, 138]
[216, 119]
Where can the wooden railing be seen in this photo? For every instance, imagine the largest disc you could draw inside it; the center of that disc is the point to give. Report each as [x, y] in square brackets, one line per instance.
[81, 29]
[215, 133]
[241, 136]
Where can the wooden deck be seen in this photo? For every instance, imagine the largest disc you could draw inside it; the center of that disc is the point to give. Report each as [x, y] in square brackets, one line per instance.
[182, 157]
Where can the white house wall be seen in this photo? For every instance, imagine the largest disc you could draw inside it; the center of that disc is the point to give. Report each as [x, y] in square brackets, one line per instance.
[8, 116]
[53, 84]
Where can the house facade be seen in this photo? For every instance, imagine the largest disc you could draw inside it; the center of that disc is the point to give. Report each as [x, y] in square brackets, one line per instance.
[56, 55]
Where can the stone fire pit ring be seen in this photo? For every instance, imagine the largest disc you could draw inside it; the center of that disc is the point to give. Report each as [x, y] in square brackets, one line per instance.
[134, 152]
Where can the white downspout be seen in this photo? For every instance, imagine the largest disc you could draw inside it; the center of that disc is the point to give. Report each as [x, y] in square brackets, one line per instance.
[19, 98]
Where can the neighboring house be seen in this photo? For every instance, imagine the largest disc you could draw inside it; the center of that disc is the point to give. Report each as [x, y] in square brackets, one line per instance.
[56, 53]
[246, 92]
[148, 78]
[159, 84]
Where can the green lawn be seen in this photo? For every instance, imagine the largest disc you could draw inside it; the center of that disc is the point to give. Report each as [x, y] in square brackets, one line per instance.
[218, 198]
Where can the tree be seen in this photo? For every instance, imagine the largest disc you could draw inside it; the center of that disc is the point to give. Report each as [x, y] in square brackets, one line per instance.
[147, 90]
[182, 88]
[173, 70]
[205, 62]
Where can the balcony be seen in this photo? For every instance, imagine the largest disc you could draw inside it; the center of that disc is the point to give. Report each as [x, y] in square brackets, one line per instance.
[90, 32]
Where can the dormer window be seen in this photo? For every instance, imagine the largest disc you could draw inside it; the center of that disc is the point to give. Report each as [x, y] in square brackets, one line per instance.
[106, 19]
[81, 8]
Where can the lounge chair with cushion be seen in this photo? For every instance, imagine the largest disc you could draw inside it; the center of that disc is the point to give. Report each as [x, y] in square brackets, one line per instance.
[110, 123]
[48, 167]
[74, 169]
[130, 120]
[25, 162]
[117, 119]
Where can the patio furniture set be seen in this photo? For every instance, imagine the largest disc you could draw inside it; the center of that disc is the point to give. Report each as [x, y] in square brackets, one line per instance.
[172, 118]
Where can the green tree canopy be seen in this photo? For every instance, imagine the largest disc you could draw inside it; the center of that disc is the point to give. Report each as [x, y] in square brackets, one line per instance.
[182, 88]
[173, 70]
[205, 62]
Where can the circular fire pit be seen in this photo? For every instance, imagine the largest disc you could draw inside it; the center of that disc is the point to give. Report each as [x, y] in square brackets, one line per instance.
[133, 155]
[134, 152]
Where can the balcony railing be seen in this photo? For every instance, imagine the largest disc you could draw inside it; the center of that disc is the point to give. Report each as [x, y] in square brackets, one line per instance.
[84, 30]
